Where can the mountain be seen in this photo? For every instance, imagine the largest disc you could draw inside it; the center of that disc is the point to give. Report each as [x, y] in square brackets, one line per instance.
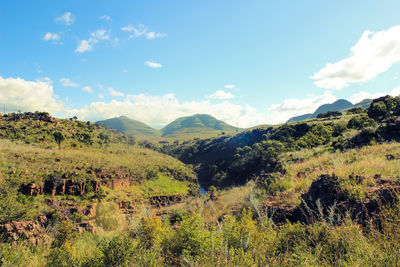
[364, 104]
[130, 127]
[335, 106]
[338, 105]
[196, 124]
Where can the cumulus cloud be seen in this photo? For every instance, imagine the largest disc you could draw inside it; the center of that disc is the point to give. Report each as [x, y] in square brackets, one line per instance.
[68, 83]
[220, 94]
[142, 30]
[87, 89]
[298, 106]
[18, 94]
[152, 110]
[114, 92]
[101, 96]
[358, 97]
[49, 36]
[154, 35]
[373, 54]
[67, 18]
[105, 17]
[95, 37]
[84, 45]
[153, 64]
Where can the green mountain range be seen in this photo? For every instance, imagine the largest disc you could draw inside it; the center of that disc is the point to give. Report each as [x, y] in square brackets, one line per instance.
[338, 105]
[131, 127]
[198, 125]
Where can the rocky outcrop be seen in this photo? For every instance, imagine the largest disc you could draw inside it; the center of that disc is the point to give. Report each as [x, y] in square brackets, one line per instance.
[163, 201]
[326, 194]
[31, 189]
[32, 231]
[69, 187]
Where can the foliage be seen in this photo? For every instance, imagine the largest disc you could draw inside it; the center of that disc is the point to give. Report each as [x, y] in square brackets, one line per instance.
[329, 114]
[384, 107]
[360, 122]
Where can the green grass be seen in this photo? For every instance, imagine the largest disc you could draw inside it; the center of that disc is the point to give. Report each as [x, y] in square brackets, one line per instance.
[131, 127]
[164, 186]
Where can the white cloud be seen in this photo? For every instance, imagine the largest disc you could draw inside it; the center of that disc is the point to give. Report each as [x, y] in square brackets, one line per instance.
[114, 92]
[101, 34]
[220, 94]
[84, 45]
[153, 35]
[153, 64]
[49, 36]
[68, 83]
[229, 86]
[87, 89]
[298, 106]
[152, 110]
[395, 91]
[356, 98]
[18, 94]
[95, 37]
[105, 17]
[142, 30]
[67, 18]
[101, 96]
[373, 54]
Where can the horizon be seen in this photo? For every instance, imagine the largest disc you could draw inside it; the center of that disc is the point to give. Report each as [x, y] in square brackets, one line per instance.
[155, 61]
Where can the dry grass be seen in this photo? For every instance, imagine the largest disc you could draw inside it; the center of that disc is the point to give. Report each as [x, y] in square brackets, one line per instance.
[367, 162]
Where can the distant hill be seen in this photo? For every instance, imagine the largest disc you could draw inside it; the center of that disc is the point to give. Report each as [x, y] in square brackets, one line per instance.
[364, 104]
[130, 127]
[338, 105]
[196, 124]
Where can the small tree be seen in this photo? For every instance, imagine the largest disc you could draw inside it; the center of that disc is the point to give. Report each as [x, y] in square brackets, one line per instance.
[59, 137]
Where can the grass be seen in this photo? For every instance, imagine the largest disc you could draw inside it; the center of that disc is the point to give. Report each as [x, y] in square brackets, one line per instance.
[311, 164]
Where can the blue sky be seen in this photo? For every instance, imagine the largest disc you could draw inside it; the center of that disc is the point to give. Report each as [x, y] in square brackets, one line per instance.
[246, 62]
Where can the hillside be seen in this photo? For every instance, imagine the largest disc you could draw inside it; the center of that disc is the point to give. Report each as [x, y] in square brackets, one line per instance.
[338, 105]
[199, 124]
[322, 191]
[130, 127]
[92, 163]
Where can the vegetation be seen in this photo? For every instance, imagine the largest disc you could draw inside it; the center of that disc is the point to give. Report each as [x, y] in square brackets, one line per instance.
[322, 193]
[130, 127]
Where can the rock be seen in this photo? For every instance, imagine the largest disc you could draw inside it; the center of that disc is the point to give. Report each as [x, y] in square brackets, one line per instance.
[33, 231]
[31, 189]
[88, 227]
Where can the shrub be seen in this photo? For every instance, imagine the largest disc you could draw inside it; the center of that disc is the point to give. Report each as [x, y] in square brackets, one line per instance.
[356, 110]
[360, 122]
[329, 114]
[188, 241]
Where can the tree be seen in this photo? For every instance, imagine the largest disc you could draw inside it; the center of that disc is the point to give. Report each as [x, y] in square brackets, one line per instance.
[59, 137]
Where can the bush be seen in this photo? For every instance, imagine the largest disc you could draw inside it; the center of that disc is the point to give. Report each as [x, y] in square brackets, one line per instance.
[356, 110]
[360, 122]
[188, 241]
[329, 114]
[383, 107]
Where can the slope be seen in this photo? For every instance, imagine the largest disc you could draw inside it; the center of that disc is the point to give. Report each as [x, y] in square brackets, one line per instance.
[130, 127]
[197, 124]
[338, 105]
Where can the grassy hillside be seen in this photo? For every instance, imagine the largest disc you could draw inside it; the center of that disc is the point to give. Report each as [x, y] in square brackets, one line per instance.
[233, 160]
[39, 128]
[201, 124]
[130, 127]
[319, 193]
[93, 162]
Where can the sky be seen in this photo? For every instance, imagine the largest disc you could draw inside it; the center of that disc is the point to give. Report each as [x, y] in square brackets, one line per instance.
[245, 62]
